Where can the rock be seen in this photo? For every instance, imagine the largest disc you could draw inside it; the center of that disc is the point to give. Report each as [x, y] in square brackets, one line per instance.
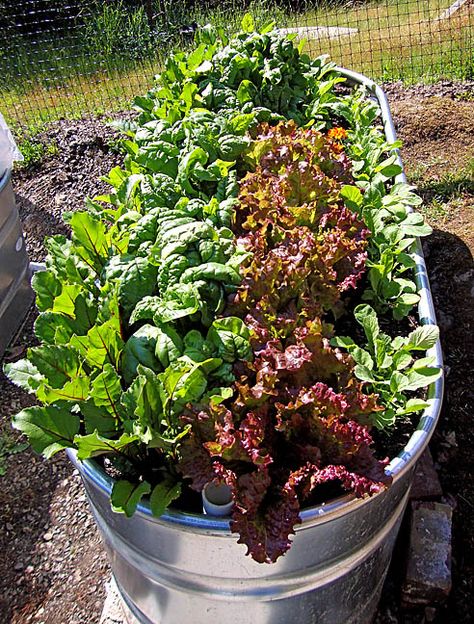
[426, 483]
[428, 575]
[48, 537]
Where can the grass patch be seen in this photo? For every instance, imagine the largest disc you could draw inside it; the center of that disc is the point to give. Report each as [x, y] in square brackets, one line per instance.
[446, 196]
[32, 146]
[450, 185]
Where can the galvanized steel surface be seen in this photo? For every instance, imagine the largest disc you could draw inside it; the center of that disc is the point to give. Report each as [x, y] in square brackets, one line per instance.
[15, 290]
[189, 568]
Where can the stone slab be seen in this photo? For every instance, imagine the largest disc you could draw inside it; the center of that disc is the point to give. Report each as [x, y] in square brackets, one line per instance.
[428, 574]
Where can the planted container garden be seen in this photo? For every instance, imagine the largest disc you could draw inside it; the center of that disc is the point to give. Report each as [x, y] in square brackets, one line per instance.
[238, 311]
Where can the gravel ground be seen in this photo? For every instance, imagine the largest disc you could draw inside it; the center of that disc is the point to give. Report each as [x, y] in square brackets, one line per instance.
[53, 567]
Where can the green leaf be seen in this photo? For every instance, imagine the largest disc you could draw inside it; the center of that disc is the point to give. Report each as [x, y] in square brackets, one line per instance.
[401, 360]
[367, 317]
[24, 374]
[97, 418]
[143, 402]
[49, 429]
[414, 225]
[183, 382]
[363, 373]
[65, 303]
[74, 391]
[343, 341]
[103, 344]
[90, 235]
[423, 338]
[219, 395]
[425, 361]
[106, 390]
[211, 271]
[169, 345]
[385, 419]
[140, 349]
[54, 328]
[389, 167]
[136, 279]
[352, 197]
[231, 338]
[246, 92]
[163, 494]
[412, 406]
[179, 301]
[47, 287]
[422, 377]
[362, 357]
[398, 382]
[241, 123]
[58, 364]
[248, 24]
[126, 495]
[93, 445]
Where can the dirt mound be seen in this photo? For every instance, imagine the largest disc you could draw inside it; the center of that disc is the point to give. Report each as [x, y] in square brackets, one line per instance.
[433, 119]
[84, 150]
[437, 135]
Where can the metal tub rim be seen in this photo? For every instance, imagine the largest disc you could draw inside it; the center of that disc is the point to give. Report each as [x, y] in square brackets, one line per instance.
[399, 466]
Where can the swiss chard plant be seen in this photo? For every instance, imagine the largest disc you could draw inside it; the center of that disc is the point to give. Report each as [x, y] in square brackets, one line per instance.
[187, 327]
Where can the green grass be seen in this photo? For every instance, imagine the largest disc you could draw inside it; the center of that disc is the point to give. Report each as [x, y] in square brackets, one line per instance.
[445, 195]
[115, 54]
[450, 185]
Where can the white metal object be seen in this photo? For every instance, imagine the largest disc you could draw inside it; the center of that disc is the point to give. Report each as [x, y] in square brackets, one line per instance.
[15, 291]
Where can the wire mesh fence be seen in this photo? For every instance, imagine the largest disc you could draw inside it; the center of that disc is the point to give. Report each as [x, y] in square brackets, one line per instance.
[63, 58]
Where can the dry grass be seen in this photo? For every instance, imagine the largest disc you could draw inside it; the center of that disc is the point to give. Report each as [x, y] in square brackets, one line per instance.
[399, 40]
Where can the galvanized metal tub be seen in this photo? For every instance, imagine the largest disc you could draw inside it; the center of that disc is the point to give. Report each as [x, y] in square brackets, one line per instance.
[189, 568]
[15, 290]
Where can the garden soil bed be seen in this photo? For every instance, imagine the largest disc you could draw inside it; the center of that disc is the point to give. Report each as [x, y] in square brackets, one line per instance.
[53, 568]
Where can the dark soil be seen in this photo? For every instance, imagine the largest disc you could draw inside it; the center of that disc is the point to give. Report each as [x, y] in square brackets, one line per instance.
[52, 566]
[85, 152]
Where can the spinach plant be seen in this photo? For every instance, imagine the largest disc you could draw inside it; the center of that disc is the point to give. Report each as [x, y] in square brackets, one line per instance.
[386, 208]
[389, 366]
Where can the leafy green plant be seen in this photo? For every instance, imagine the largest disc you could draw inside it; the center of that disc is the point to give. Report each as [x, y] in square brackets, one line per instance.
[185, 326]
[389, 368]
[386, 208]
[33, 149]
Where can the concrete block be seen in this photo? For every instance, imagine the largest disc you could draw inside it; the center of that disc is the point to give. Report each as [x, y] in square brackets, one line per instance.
[426, 483]
[428, 575]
